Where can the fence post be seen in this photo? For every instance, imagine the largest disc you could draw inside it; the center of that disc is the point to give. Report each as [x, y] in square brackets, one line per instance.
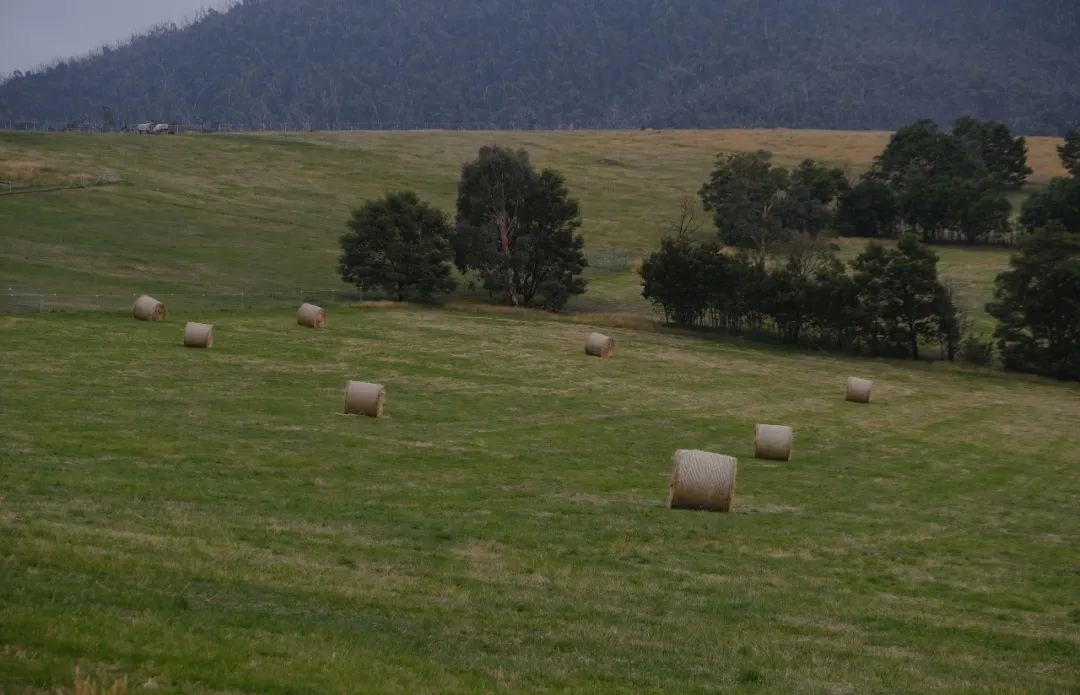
[332, 296]
[241, 300]
[41, 303]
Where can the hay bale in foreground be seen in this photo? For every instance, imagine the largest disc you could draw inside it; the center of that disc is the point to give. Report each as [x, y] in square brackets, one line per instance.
[773, 442]
[858, 390]
[149, 309]
[702, 480]
[198, 335]
[599, 345]
[362, 398]
[311, 316]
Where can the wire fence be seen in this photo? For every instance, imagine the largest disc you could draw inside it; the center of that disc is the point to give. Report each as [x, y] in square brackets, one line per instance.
[15, 301]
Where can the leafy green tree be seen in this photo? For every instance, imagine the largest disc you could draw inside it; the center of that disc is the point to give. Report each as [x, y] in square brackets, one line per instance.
[673, 280]
[869, 208]
[941, 208]
[834, 304]
[951, 322]
[515, 229]
[787, 302]
[808, 291]
[869, 275]
[926, 203]
[1060, 202]
[734, 287]
[978, 211]
[1037, 305]
[920, 151]
[1003, 156]
[947, 185]
[1070, 153]
[899, 295]
[807, 206]
[743, 192]
[398, 244]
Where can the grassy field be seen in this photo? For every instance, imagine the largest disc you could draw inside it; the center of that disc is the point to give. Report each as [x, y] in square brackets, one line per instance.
[262, 213]
[208, 521]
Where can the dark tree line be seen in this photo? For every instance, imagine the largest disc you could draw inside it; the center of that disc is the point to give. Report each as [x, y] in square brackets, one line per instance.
[770, 273]
[890, 303]
[1037, 301]
[850, 64]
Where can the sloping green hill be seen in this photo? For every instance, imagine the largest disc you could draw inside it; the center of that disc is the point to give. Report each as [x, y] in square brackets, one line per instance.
[208, 521]
[226, 214]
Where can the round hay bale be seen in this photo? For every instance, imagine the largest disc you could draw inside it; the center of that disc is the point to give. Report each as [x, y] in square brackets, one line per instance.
[599, 345]
[773, 442]
[858, 390]
[311, 316]
[198, 335]
[148, 309]
[362, 398]
[702, 480]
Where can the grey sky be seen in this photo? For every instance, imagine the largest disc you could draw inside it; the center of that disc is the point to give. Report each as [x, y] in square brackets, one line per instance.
[33, 32]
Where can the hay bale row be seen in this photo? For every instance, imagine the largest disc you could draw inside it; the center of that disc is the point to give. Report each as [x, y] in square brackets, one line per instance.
[201, 335]
[699, 479]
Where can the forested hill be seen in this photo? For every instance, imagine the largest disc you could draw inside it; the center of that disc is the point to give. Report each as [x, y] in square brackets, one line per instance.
[845, 64]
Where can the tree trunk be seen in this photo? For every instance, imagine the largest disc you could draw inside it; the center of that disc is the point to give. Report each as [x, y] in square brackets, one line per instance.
[504, 225]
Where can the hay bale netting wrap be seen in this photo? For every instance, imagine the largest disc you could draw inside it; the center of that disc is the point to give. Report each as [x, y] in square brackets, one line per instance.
[363, 398]
[773, 442]
[147, 308]
[702, 480]
[311, 316]
[858, 390]
[599, 345]
[198, 335]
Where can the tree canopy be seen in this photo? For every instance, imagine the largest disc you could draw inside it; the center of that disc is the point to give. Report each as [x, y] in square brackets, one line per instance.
[946, 187]
[1037, 304]
[892, 303]
[516, 229]
[1069, 151]
[846, 64]
[397, 244]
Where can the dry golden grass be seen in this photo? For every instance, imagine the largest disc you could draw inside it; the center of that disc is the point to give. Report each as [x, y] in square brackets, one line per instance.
[633, 148]
[40, 173]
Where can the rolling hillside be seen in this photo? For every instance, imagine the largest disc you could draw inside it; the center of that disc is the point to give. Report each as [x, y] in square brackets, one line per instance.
[261, 214]
[209, 522]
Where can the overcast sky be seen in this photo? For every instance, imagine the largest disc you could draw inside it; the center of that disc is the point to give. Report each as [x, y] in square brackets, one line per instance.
[33, 32]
